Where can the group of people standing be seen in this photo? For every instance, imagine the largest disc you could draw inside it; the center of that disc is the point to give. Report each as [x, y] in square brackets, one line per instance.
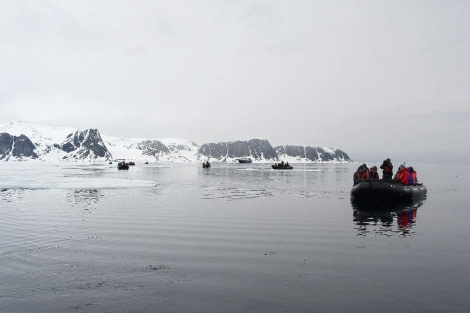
[404, 175]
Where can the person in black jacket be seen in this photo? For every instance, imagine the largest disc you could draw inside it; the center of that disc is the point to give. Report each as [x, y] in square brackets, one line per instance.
[373, 173]
[387, 169]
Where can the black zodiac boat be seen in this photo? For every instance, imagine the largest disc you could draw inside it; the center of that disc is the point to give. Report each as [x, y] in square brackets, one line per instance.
[281, 166]
[386, 189]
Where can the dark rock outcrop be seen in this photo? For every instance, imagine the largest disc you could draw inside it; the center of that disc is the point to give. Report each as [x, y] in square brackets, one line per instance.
[257, 149]
[314, 154]
[86, 144]
[20, 147]
[153, 148]
[261, 150]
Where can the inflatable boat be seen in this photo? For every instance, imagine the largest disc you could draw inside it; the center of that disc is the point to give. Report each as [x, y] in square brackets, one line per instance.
[386, 189]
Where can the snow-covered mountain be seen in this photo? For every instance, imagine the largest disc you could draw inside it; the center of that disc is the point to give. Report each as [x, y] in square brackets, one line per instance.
[22, 141]
[151, 150]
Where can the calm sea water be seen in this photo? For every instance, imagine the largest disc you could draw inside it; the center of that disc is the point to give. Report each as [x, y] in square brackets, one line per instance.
[232, 238]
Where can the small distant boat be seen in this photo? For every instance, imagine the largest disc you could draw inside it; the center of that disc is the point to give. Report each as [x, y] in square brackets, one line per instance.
[245, 160]
[281, 166]
[123, 165]
[131, 163]
[206, 164]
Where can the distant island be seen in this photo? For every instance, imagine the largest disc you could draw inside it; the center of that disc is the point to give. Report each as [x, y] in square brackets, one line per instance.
[22, 141]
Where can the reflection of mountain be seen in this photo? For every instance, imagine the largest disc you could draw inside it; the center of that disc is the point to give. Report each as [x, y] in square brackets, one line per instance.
[380, 218]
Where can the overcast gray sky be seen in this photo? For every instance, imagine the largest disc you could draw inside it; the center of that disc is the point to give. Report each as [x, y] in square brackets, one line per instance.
[385, 78]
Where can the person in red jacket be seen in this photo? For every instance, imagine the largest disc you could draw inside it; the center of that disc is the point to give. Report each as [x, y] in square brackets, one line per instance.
[402, 175]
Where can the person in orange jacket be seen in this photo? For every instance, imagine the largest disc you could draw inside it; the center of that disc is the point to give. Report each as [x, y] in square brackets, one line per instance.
[360, 174]
[366, 171]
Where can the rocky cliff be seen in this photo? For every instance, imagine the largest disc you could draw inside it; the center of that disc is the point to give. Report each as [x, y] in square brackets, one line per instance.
[13, 147]
[309, 154]
[85, 145]
[256, 149]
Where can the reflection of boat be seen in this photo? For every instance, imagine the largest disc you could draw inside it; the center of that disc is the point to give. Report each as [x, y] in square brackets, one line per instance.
[245, 160]
[379, 217]
[282, 166]
[376, 205]
[386, 189]
[123, 165]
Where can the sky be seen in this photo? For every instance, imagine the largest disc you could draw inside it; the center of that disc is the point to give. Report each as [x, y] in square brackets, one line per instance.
[377, 79]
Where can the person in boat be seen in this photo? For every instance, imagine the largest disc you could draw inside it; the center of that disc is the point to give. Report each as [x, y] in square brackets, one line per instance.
[402, 175]
[359, 175]
[412, 176]
[366, 171]
[373, 173]
[387, 169]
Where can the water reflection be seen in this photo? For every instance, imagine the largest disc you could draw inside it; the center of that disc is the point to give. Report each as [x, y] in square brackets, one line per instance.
[88, 198]
[386, 219]
[259, 180]
[12, 195]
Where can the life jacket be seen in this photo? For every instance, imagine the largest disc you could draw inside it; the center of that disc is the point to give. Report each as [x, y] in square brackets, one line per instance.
[398, 175]
[359, 175]
[366, 174]
[373, 175]
[404, 176]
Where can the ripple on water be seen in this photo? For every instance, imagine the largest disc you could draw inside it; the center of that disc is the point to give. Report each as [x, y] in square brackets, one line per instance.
[198, 237]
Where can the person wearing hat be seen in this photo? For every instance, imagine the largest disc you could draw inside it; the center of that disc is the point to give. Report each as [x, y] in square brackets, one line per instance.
[373, 173]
